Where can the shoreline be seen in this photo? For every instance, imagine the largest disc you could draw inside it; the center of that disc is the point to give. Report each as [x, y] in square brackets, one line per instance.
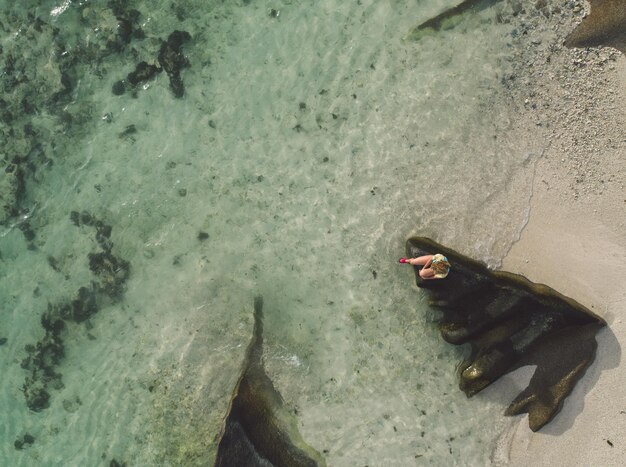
[574, 242]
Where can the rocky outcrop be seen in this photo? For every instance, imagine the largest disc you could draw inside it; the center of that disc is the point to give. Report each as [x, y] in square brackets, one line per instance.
[258, 430]
[510, 322]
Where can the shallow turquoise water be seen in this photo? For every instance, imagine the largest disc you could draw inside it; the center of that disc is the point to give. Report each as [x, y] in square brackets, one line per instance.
[309, 143]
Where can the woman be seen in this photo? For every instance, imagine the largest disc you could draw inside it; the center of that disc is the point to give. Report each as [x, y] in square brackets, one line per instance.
[435, 266]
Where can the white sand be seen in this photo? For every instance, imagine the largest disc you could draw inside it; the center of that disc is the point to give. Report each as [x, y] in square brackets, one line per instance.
[575, 241]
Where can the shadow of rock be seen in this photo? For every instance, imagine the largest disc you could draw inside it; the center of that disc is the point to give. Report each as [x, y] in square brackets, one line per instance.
[509, 323]
[259, 430]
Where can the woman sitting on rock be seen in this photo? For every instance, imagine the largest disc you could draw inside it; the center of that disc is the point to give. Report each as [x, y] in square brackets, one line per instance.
[435, 266]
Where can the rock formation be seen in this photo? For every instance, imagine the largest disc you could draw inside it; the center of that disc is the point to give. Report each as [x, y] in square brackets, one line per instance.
[605, 26]
[510, 322]
[258, 430]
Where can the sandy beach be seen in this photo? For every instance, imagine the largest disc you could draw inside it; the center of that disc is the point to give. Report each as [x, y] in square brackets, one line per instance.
[574, 241]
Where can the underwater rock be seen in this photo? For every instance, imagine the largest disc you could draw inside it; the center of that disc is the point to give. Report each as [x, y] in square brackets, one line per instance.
[127, 26]
[143, 72]
[41, 361]
[511, 322]
[173, 61]
[85, 305]
[258, 430]
[112, 271]
[605, 26]
[45, 356]
[448, 19]
[11, 191]
[26, 439]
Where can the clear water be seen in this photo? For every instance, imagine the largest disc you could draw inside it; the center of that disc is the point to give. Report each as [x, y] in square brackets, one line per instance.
[308, 146]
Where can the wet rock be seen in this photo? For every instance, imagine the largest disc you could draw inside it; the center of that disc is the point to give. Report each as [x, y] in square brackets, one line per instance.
[173, 61]
[510, 322]
[258, 429]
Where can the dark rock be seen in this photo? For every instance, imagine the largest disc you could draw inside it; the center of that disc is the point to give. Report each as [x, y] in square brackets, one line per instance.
[510, 322]
[51, 323]
[259, 430]
[177, 86]
[54, 264]
[449, 17]
[75, 218]
[86, 218]
[112, 271]
[127, 27]
[604, 26]
[85, 305]
[173, 61]
[37, 398]
[128, 131]
[28, 439]
[203, 236]
[29, 233]
[118, 88]
[3, 340]
[143, 72]
[104, 230]
[115, 463]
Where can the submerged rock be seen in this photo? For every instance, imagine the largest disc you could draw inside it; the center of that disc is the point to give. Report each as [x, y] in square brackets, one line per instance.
[511, 322]
[448, 19]
[143, 72]
[173, 61]
[258, 430]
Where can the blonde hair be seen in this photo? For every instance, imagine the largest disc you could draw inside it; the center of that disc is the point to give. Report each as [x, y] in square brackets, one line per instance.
[440, 265]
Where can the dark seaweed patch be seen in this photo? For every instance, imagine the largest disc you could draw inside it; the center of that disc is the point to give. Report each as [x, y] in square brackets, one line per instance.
[26, 439]
[43, 358]
[173, 61]
[143, 72]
